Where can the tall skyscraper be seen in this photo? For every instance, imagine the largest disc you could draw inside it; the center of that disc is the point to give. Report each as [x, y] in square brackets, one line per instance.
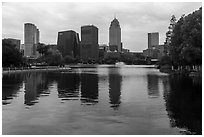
[31, 40]
[89, 42]
[153, 39]
[68, 43]
[115, 36]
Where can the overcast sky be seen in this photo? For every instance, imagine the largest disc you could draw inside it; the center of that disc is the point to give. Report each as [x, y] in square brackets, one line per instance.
[136, 19]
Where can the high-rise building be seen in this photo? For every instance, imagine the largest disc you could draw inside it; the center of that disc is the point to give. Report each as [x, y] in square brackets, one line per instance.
[68, 43]
[14, 42]
[153, 39]
[89, 42]
[115, 36]
[154, 50]
[115, 86]
[31, 40]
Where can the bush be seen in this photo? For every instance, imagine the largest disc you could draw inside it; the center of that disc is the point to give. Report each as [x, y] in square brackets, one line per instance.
[68, 60]
[165, 60]
[165, 69]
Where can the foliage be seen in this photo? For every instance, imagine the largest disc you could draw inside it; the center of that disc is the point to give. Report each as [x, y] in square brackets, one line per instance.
[11, 56]
[170, 30]
[169, 34]
[42, 48]
[110, 60]
[165, 69]
[53, 57]
[68, 59]
[186, 40]
[191, 56]
[165, 60]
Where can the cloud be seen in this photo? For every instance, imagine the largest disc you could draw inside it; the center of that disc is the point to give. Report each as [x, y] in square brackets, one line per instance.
[136, 19]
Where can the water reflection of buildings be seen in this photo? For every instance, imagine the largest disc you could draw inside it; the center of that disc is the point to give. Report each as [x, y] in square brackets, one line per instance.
[36, 85]
[115, 80]
[31, 87]
[184, 104]
[89, 88]
[68, 86]
[75, 86]
[153, 86]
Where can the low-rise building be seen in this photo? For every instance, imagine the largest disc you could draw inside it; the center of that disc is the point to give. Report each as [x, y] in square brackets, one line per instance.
[103, 48]
[155, 52]
[125, 50]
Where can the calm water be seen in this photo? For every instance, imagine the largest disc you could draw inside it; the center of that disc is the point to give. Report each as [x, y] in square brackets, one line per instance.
[101, 100]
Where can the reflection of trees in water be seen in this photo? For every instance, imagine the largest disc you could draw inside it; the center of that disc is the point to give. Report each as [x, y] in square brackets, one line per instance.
[36, 85]
[153, 86]
[115, 80]
[10, 86]
[184, 104]
[89, 88]
[68, 86]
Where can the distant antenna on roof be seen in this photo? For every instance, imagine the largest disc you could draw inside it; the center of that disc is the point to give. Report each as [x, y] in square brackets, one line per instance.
[114, 15]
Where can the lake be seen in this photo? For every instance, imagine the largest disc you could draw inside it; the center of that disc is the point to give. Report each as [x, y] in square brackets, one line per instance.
[101, 100]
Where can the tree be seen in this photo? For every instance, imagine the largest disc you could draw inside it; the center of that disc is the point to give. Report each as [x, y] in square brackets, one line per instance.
[53, 57]
[165, 60]
[170, 30]
[11, 56]
[169, 34]
[68, 59]
[42, 48]
[186, 40]
[191, 56]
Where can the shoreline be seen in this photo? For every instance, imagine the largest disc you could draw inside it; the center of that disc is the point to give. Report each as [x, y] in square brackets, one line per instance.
[4, 72]
[191, 74]
[54, 68]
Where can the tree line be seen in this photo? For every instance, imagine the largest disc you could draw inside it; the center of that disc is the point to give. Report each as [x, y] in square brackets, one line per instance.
[183, 45]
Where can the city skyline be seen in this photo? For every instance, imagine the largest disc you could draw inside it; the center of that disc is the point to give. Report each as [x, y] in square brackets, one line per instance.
[135, 20]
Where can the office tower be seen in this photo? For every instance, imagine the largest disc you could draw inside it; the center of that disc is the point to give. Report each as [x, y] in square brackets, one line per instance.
[115, 84]
[33, 84]
[14, 42]
[31, 40]
[153, 39]
[115, 36]
[68, 43]
[89, 89]
[89, 42]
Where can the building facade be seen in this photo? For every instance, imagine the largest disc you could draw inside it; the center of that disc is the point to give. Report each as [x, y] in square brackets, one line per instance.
[156, 52]
[125, 50]
[153, 39]
[31, 40]
[115, 36]
[89, 42]
[68, 43]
